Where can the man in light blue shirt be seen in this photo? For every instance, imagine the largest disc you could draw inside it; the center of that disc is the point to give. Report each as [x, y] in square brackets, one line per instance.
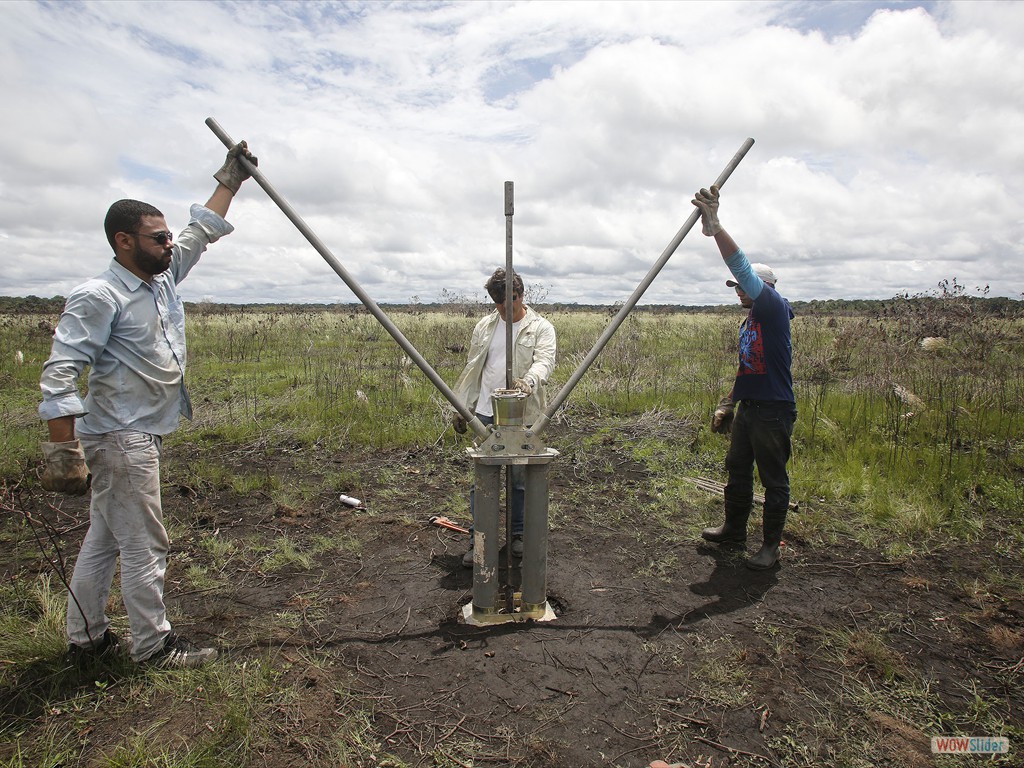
[128, 326]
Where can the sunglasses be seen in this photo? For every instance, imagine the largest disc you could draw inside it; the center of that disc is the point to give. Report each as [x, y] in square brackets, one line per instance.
[163, 238]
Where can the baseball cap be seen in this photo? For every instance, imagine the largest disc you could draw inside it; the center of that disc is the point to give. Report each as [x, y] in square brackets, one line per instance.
[763, 271]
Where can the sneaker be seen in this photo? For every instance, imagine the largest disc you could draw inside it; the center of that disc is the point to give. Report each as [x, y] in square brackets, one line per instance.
[467, 559]
[517, 546]
[84, 655]
[179, 653]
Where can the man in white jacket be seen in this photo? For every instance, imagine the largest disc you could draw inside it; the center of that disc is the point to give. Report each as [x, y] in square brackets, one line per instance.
[533, 360]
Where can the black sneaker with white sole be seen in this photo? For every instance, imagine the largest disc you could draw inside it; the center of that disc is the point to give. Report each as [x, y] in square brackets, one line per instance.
[179, 653]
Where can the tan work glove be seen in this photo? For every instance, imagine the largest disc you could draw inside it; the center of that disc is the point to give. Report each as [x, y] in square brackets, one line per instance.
[706, 201]
[721, 421]
[523, 385]
[65, 468]
[234, 172]
[458, 423]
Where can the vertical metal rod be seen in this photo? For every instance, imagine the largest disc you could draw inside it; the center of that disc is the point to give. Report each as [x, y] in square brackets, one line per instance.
[555, 404]
[485, 538]
[535, 538]
[474, 423]
[509, 374]
[509, 313]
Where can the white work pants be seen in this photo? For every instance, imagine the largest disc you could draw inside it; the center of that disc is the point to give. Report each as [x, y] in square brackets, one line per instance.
[125, 519]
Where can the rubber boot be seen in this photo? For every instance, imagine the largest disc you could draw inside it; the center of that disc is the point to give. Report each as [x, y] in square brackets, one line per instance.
[733, 532]
[768, 555]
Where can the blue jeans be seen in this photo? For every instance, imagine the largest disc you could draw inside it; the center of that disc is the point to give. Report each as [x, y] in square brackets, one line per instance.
[761, 436]
[518, 490]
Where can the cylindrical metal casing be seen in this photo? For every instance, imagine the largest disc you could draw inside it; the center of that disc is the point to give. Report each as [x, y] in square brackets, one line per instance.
[485, 538]
[508, 407]
[535, 539]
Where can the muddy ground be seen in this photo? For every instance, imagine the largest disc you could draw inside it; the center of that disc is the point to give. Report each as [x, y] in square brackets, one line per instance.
[663, 647]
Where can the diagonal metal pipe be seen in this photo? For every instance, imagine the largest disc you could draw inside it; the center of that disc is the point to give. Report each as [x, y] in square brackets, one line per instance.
[542, 423]
[474, 423]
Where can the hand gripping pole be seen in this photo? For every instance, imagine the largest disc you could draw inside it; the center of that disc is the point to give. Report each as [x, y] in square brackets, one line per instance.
[474, 423]
[613, 326]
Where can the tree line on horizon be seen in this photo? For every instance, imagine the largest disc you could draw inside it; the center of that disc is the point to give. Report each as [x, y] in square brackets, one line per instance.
[999, 306]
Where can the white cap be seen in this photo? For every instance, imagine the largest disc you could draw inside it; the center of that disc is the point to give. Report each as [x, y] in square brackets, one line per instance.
[763, 271]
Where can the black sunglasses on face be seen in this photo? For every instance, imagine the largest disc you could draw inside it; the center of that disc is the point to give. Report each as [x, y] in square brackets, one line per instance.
[163, 238]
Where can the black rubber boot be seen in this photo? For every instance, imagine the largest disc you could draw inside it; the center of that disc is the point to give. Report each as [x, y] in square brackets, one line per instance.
[726, 534]
[733, 531]
[768, 555]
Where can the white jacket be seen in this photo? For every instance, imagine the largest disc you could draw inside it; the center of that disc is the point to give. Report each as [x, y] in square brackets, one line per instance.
[533, 355]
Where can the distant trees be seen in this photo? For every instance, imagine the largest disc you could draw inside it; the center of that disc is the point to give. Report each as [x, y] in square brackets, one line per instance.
[28, 305]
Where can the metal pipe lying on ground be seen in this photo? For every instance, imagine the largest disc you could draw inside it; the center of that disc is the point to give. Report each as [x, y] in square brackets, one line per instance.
[474, 423]
[555, 404]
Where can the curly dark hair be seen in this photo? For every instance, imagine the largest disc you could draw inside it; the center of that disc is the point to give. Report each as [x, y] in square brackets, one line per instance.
[496, 286]
[126, 216]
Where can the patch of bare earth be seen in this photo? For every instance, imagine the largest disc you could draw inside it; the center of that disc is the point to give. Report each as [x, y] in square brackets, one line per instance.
[710, 665]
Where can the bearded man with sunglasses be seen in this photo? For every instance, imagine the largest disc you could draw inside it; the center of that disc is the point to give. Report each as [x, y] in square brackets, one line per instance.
[128, 326]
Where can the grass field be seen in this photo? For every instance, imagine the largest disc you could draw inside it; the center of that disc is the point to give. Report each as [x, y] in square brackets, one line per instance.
[908, 459]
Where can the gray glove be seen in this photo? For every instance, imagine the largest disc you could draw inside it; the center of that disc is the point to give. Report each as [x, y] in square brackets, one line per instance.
[707, 201]
[65, 468]
[721, 421]
[458, 423]
[233, 172]
[523, 385]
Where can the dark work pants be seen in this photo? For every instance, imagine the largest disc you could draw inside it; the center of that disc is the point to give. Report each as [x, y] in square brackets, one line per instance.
[761, 436]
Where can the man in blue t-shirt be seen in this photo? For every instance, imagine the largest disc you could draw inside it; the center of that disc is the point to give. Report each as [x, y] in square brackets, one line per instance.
[763, 425]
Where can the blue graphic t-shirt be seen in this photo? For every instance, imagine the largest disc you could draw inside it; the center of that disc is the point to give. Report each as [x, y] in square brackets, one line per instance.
[766, 351]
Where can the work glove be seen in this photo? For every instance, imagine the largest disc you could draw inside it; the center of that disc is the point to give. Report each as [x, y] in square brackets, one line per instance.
[458, 423]
[707, 202]
[721, 421]
[523, 385]
[233, 172]
[65, 470]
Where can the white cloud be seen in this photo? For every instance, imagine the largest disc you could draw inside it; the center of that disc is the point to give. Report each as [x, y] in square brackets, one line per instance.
[885, 158]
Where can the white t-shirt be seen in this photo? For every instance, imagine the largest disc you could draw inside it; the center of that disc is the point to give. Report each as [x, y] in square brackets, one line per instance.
[493, 376]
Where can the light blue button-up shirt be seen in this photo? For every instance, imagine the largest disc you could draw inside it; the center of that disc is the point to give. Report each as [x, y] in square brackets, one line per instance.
[132, 334]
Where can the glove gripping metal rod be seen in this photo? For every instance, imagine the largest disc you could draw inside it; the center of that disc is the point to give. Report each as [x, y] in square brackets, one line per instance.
[474, 423]
[613, 326]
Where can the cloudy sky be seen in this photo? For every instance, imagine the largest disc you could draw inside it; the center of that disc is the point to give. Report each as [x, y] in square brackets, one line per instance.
[888, 155]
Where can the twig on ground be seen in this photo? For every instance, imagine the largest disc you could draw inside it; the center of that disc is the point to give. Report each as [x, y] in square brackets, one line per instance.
[735, 751]
[651, 743]
[570, 694]
[593, 681]
[689, 719]
[454, 759]
[453, 729]
[623, 733]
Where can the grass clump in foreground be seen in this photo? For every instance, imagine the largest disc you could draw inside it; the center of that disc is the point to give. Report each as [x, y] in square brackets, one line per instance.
[228, 713]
